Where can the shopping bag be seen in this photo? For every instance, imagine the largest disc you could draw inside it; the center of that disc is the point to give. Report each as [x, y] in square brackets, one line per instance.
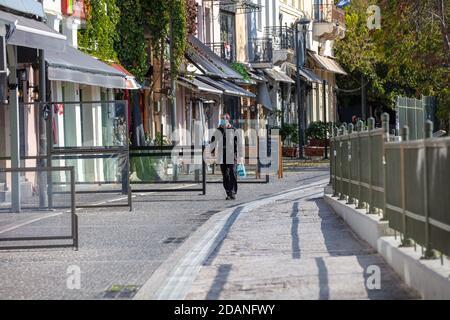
[241, 171]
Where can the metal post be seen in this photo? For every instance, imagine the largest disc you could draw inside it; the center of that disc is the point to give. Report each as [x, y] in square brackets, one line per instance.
[334, 162]
[429, 252]
[325, 118]
[299, 92]
[173, 82]
[371, 127]
[42, 180]
[341, 182]
[385, 124]
[363, 98]
[14, 128]
[203, 170]
[407, 242]
[359, 128]
[349, 162]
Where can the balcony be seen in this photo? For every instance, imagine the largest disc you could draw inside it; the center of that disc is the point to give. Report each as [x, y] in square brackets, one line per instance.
[329, 21]
[261, 52]
[282, 37]
[223, 50]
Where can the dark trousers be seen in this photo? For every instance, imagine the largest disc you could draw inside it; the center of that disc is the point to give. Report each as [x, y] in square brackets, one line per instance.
[229, 175]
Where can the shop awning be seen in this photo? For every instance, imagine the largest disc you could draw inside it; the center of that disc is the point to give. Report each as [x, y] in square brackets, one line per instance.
[278, 76]
[227, 87]
[207, 61]
[130, 80]
[305, 73]
[76, 66]
[27, 6]
[31, 33]
[263, 97]
[198, 86]
[327, 63]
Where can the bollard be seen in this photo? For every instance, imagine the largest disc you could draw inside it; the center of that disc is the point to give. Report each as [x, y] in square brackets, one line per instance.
[429, 252]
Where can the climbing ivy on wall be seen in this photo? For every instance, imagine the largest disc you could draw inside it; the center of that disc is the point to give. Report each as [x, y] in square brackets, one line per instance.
[131, 45]
[99, 34]
[158, 16]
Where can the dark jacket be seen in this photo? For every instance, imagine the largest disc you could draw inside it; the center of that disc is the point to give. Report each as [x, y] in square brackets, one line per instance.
[221, 154]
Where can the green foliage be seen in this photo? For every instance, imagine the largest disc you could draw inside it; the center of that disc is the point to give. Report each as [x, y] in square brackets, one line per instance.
[402, 58]
[99, 35]
[240, 68]
[131, 45]
[289, 133]
[161, 140]
[317, 130]
[158, 16]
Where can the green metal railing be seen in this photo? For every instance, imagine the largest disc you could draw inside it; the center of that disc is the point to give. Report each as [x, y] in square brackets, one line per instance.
[405, 181]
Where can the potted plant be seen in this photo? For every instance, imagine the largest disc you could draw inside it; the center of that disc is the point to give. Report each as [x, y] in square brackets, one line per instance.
[317, 134]
[289, 136]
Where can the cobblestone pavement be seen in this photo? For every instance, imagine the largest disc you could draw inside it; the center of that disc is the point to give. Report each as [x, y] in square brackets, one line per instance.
[294, 247]
[120, 248]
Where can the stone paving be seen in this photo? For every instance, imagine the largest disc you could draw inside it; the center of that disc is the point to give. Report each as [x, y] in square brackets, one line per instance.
[118, 247]
[295, 248]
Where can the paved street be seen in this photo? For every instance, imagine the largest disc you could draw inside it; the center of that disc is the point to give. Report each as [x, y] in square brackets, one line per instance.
[122, 248]
[291, 246]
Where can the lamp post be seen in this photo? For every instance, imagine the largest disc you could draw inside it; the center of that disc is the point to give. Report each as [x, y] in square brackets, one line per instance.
[300, 51]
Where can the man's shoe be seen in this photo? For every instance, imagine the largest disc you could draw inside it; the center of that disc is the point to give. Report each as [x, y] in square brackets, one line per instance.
[233, 197]
[228, 198]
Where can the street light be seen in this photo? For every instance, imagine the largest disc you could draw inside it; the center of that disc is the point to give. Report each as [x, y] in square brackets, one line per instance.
[300, 51]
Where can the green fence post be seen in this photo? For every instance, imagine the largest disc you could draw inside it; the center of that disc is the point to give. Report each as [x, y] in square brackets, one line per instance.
[359, 128]
[341, 160]
[334, 157]
[349, 161]
[385, 124]
[371, 127]
[429, 252]
[406, 241]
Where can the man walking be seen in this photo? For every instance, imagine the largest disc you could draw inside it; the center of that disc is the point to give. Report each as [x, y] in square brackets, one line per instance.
[229, 155]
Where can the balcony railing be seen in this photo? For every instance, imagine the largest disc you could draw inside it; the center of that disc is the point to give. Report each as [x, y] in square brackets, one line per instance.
[328, 12]
[282, 37]
[261, 50]
[223, 50]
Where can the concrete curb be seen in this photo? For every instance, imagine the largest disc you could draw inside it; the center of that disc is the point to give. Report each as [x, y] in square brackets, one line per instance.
[367, 227]
[173, 277]
[428, 277]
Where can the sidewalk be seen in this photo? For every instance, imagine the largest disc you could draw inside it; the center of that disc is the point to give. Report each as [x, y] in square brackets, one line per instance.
[291, 246]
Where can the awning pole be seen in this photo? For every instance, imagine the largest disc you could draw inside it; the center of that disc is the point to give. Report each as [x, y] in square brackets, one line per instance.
[42, 180]
[14, 128]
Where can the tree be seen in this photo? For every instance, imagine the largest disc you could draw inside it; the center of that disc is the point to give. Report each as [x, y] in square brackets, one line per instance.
[407, 56]
[99, 35]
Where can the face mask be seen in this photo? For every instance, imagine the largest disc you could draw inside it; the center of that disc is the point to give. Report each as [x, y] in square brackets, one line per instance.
[223, 122]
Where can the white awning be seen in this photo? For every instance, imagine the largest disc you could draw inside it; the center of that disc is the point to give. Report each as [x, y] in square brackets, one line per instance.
[278, 76]
[79, 67]
[327, 63]
[305, 73]
[197, 85]
[31, 33]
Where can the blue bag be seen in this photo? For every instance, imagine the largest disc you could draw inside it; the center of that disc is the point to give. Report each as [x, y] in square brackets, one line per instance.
[241, 171]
